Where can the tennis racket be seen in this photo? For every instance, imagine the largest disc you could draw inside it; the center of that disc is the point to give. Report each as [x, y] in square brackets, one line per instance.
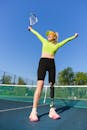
[33, 19]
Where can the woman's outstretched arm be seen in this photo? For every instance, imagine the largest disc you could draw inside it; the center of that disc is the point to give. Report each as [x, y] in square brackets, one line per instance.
[66, 40]
[39, 36]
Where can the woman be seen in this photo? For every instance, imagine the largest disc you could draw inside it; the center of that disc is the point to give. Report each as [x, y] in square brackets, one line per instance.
[47, 63]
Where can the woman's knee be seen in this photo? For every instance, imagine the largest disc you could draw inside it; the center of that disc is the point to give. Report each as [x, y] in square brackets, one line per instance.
[40, 83]
[39, 86]
[51, 84]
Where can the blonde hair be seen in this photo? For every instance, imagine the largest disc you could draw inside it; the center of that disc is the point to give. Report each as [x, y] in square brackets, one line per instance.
[53, 33]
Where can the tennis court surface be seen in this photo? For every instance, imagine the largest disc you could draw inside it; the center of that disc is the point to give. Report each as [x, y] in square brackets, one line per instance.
[16, 105]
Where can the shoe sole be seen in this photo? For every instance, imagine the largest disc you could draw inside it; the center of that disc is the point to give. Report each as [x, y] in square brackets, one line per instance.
[55, 118]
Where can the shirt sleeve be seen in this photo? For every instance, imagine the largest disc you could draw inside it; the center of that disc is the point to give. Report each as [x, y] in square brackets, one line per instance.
[40, 37]
[64, 42]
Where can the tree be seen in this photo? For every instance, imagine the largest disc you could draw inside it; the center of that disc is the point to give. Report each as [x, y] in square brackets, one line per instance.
[6, 79]
[21, 81]
[66, 76]
[81, 78]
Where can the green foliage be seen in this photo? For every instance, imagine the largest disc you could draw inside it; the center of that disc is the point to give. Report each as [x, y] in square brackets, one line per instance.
[6, 79]
[68, 77]
[21, 81]
[81, 78]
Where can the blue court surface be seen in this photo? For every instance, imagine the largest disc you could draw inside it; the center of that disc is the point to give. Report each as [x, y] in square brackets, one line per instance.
[14, 116]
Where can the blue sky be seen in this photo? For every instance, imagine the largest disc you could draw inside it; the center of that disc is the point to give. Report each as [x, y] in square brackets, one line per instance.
[20, 50]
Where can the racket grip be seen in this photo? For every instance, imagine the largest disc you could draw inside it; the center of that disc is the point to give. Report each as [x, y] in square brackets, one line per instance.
[29, 27]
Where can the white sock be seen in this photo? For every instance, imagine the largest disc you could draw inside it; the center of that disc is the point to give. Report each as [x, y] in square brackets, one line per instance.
[52, 109]
[34, 110]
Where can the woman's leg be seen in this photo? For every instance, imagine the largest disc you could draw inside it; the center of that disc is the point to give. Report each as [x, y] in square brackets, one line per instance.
[37, 94]
[52, 72]
[51, 94]
[33, 115]
[41, 72]
[52, 113]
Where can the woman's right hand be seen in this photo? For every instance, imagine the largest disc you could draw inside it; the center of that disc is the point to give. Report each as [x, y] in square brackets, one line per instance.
[76, 35]
[29, 28]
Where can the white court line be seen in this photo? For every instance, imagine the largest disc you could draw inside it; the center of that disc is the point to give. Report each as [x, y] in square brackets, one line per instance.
[13, 109]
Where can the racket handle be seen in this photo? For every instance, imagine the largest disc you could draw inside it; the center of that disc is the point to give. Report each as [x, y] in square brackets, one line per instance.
[29, 27]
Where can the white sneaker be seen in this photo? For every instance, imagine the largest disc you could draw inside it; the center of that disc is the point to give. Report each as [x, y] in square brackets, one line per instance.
[33, 117]
[53, 114]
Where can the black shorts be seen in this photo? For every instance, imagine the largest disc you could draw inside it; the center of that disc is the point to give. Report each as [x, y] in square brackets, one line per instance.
[46, 64]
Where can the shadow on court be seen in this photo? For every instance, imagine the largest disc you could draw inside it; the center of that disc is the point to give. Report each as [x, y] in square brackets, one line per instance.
[58, 110]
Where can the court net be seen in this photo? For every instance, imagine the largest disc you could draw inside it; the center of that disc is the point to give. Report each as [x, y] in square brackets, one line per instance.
[18, 92]
[74, 96]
